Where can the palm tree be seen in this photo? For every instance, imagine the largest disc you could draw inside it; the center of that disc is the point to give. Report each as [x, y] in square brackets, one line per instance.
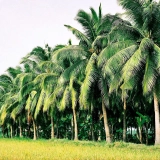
[28, 91]
[71, 60]
[46, 81]
[135, 58]
[10, 97]
[95, 37]
[90, 24]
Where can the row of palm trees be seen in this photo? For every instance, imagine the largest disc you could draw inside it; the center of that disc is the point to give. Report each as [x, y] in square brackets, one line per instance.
[115, 64]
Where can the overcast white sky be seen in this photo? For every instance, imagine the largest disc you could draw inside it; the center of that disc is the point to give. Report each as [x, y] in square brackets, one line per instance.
[25, 24]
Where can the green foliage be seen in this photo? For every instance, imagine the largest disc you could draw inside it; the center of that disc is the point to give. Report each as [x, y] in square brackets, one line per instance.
[142, 119]
[63, 87]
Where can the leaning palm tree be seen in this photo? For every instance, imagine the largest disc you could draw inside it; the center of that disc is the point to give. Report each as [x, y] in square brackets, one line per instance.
[135, 58]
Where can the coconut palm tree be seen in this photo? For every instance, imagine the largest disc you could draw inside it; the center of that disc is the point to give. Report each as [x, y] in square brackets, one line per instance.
[45, 82]
[71, 60]
[29, 92]
[135, 58]
[9, 100]
[94, 38]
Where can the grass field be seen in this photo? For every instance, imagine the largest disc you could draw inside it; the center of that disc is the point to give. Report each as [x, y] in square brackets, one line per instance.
[16, 149]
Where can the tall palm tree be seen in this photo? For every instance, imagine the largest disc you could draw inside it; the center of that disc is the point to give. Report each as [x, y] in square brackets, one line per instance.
[94, 38]
[136, 59]
[90, 24]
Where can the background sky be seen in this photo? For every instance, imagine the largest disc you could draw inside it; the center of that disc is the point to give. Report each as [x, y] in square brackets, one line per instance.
[25, 24]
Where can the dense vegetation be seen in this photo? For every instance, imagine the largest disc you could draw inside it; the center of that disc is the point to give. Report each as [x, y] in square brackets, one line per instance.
[105, 88]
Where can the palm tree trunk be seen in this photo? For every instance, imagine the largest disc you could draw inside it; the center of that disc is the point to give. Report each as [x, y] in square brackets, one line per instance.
[72, 128]
[92, 131]
[140, 134]
[20, 128]
[3, 131]
[11, 131]
[99, 135]
[106, 126]
[34, 130]
[52, 128]
[146, 134]
[157, 120]
[124, 121]
[57, 129]
[75, 125]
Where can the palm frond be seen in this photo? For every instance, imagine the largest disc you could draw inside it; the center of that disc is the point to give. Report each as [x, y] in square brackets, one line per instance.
[103, 86]
[134, 65]
[100, 13]
[74, 97]
[13, 72]
[150, 76]
[57, 47]
[125, 32]
[115, 82]
[31, 102]
[49, 101]
[134, 10]
[130, 84]
[16, 111]
[34, 99]
[12, 106]
[50, 67]
[111, 50]
[39, 52]
[65, 99]
[90, 78]
[100, 42]
[74, 70]
[71, 53]
[116, 62]
[87, 24]
[39, 103]
[26, 89]
[94, 16]
[3, 114]
[136, 62]
[156, 54]
[5, 78]
[23, 78]
[80, 36]
[109, 21]
[49, 82]
[146, 45]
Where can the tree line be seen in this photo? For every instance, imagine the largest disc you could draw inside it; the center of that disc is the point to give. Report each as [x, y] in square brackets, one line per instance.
[105, 88]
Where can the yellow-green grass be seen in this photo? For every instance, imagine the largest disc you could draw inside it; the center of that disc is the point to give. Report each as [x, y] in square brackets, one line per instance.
[20, 149]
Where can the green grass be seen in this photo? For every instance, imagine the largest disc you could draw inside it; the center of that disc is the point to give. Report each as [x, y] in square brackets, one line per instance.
[20, 149]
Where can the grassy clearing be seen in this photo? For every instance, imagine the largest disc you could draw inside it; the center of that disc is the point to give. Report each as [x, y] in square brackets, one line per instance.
[16, 149]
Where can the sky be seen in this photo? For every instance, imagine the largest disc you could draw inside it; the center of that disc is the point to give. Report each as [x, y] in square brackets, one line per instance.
[25, 24]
